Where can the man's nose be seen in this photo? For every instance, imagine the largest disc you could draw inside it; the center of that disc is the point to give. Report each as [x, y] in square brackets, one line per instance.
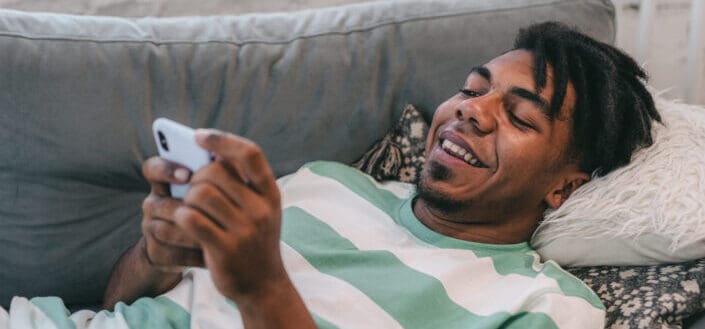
[480, 112]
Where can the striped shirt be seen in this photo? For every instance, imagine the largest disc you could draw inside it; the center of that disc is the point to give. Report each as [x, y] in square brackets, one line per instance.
[360, 258]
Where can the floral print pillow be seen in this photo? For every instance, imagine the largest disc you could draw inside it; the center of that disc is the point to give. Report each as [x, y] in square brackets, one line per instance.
[659, 296]
[400, 154]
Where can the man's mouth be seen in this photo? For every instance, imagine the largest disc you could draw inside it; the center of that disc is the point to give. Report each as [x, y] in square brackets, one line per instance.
[462, 152]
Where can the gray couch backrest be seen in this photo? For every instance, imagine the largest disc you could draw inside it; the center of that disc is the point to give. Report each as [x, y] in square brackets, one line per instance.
[78, 95]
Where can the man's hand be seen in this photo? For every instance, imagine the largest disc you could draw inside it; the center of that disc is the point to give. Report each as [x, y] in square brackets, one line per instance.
[233, 211]
[166, 246]
[152, 266]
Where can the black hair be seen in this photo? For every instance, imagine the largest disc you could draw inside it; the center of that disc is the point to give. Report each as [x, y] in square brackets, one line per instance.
[613, 109]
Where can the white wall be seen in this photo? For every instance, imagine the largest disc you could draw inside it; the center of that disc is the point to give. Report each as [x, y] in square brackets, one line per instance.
[667, 37]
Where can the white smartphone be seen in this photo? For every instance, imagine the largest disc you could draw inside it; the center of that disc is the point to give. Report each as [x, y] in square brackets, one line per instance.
[177, 143]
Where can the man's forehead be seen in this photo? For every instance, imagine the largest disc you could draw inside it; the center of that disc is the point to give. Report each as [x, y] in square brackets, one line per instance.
[515, 69]
[518, 64]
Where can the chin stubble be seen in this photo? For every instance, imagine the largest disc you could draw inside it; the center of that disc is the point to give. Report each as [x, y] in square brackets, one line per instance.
[435, 199]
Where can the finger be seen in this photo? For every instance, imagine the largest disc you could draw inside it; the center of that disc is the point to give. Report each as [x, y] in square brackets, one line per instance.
[155, 206]
[164, 256]
[167, 233]
[212, 202]
[160, 172]
[228, 182]
[199, 227]
[243, 153]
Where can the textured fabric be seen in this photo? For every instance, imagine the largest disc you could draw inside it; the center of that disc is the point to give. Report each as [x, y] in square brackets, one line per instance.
[360, 258]
[78, 95]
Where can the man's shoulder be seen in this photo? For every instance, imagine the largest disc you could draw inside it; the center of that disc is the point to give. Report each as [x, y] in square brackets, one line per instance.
[568, 284]
[565, 298]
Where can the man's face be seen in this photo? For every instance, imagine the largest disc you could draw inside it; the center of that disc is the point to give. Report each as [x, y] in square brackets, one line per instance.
[492, 151]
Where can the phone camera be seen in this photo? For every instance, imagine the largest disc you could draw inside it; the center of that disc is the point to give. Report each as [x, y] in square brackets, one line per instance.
[162, 141]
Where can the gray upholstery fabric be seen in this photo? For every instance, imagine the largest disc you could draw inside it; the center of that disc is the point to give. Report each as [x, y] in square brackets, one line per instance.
[78, 95]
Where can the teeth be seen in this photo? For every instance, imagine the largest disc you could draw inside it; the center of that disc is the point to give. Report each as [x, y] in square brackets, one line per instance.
[446, 144]
[460, 152]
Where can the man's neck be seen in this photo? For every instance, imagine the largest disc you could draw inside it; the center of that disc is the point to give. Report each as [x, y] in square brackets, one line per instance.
[505, 231]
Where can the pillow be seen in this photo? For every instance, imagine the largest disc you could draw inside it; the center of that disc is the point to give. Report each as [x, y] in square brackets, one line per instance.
[650, 211]
[657, 296]
[400, 154]
[634, 296]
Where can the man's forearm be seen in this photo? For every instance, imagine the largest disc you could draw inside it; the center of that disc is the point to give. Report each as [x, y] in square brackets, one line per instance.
[133, 277]
[281, 307]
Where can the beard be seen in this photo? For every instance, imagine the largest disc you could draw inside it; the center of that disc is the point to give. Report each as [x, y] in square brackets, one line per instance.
[434, 171]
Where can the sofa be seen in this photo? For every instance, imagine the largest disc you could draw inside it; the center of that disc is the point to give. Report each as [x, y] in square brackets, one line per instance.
[78, 95]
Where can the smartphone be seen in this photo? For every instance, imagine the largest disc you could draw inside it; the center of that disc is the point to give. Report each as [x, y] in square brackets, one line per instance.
[177, 143]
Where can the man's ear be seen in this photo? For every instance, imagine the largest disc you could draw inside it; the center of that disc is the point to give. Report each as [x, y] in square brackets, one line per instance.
[565, 187]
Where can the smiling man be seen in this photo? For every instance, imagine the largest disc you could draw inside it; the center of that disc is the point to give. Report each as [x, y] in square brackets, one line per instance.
[498, 154]
[329, 247]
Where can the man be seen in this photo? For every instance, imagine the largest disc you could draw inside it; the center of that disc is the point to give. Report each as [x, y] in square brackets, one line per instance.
[329, 247]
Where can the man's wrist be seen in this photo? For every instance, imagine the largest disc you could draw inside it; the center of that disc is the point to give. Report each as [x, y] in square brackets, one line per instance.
[159, 280]
[266, 294]
[277, 306]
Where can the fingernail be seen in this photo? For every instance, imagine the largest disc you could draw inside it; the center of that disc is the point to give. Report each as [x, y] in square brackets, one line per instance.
[181, 174]
[201, 135]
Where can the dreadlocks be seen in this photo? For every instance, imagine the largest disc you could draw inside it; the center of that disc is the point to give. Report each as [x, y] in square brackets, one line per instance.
[613, 109]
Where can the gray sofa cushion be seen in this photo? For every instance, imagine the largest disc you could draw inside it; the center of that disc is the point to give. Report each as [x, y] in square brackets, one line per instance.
[78, 95]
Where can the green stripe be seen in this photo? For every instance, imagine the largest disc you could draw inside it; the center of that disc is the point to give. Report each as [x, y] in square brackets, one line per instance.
[158, 312]
[54, 309]
[507, 259]
[379, 275]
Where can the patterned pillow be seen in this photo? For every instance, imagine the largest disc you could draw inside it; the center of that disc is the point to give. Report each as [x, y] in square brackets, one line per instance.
[400, 154]
[658, 296]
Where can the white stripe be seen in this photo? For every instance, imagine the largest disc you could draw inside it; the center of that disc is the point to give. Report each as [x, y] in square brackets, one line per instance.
[399, 189]
[209, 309]
[568, 312]
[333, 299]
[82, 318]
[4, 319]
[25, 315]
[101, 321]
[470, 282]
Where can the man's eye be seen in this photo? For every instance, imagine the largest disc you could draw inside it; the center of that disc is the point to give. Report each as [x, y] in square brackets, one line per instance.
[470, 93]
[521, 124]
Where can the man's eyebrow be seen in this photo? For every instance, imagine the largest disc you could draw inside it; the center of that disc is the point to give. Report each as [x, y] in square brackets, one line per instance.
[483, 72]
[534, 98]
